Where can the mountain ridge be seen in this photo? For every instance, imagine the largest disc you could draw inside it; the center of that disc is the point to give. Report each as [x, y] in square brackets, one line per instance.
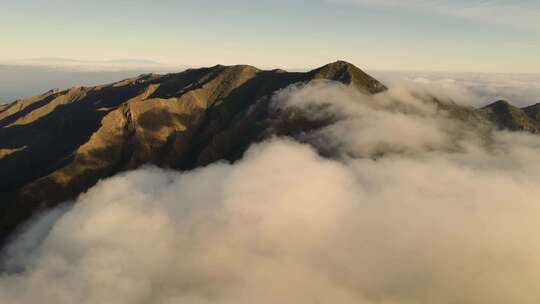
[56, 145]
[507, 116]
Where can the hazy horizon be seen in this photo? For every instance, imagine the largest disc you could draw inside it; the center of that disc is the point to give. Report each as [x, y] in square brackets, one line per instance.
[376, 35]
[33, 77]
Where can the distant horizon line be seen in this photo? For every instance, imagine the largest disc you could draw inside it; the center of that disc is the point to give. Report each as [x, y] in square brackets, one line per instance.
[133, 64]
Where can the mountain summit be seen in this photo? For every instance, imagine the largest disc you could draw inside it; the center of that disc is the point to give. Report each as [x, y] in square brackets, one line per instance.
[57, 145]
[347, 73]
[507, 116]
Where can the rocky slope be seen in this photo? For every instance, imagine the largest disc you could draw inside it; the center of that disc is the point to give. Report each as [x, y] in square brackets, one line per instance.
[507, 116]
[57, 145]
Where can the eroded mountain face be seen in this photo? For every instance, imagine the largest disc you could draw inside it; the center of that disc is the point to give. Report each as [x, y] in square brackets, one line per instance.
[57, 145]
[506, 116]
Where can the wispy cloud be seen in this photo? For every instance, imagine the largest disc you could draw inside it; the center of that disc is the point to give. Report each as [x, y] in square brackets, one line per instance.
[523, 14]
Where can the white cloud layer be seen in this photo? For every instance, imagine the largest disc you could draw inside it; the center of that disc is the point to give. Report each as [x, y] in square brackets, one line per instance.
[426, 223]
[476, 89]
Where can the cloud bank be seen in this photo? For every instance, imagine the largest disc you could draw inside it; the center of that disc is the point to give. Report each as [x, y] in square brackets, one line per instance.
[475, 89]
[414, 208]
[31, 78]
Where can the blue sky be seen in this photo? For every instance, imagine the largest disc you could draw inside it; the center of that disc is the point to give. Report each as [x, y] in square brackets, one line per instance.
[444, 35]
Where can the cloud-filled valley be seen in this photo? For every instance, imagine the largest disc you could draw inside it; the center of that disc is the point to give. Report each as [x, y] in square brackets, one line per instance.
[414, 206]
[475, 89]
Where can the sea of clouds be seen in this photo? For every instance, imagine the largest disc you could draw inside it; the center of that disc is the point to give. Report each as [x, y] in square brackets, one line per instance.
[475, 89]
[414, 207]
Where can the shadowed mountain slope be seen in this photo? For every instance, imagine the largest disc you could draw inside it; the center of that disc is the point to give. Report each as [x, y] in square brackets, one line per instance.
[347, 73]
[507, 116]
[57, 145]
[533, 111]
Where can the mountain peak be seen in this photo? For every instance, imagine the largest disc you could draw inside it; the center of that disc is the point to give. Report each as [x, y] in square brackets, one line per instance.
[236, 66]
[61, 143]
[337, 66]
[498, 104]
[533, 106]
[341, 63]
[349, 74]
[507, 116]
[533, 111]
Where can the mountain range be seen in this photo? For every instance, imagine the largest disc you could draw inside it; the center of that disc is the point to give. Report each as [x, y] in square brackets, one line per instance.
[56, 145]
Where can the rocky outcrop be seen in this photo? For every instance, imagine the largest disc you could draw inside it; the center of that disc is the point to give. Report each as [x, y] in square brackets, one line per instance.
[507, 116]
[55, 146]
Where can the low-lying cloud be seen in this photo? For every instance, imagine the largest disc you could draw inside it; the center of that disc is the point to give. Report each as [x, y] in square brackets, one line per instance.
[413, 209]
[30, 78]
[475, 89]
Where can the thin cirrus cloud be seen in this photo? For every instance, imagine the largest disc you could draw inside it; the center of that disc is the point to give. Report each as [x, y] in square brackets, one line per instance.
[474, 89]
[520, 14]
